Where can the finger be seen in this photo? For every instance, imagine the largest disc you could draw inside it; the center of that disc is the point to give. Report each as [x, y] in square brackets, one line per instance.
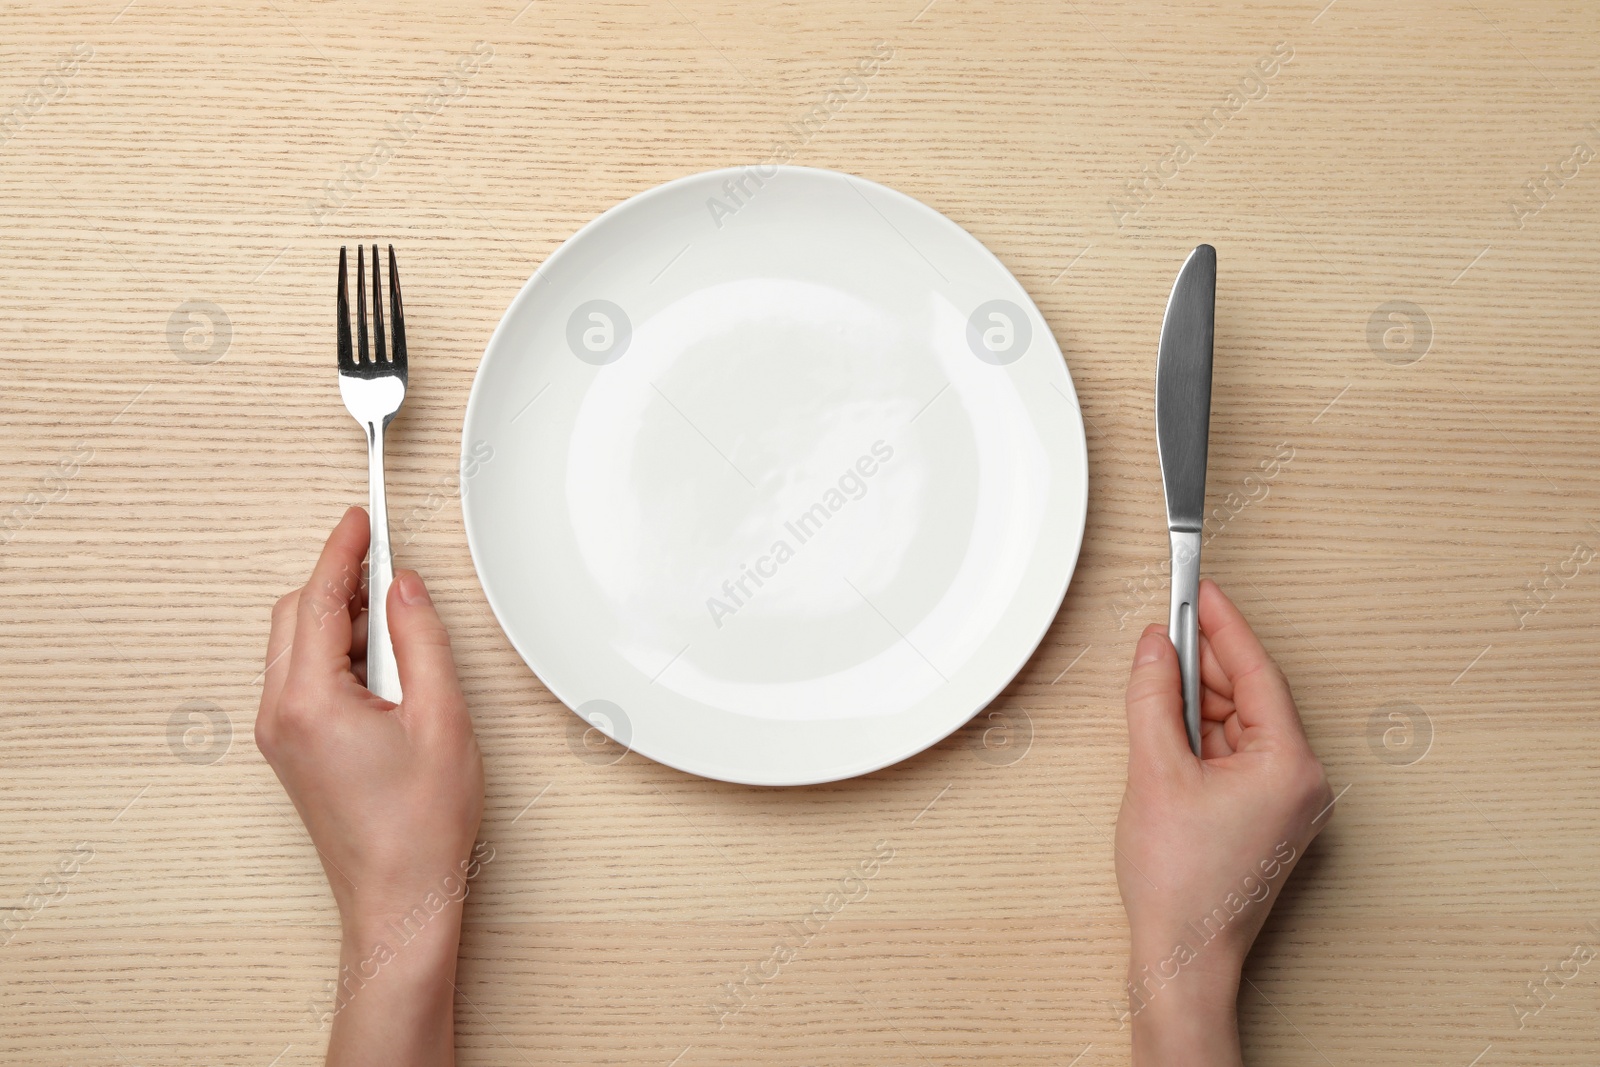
[358, 648]
[422, 648]
[1233, 730]
[358, 639]
[279, 642]
[323, 629]
[1211, 672]
[1214, 707]
[1260, 691]
[1214, 742]
[1156, 735]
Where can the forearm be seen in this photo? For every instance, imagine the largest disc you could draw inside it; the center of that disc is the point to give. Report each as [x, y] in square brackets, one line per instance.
[395, 1004]
[1189, 1019]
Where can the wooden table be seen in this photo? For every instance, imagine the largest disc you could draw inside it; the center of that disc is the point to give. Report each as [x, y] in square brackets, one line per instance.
[1404, 322]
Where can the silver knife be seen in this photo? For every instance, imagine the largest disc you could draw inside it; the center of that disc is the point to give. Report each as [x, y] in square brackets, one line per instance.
[1183, 420]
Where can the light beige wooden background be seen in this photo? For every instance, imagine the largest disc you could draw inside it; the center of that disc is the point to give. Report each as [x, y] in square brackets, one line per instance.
[1384, 566]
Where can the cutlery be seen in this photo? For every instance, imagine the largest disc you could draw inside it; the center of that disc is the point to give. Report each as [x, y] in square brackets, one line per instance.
[1183, 420]
[373, 389]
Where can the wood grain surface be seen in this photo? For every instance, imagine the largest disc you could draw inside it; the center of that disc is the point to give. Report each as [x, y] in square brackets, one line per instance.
[1399, 311]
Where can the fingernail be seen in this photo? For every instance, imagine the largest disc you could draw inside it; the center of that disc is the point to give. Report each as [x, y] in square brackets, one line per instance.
[1149, 648]
[412, 591]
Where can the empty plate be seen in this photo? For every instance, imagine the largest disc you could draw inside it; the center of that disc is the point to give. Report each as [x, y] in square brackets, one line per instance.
[774, 475]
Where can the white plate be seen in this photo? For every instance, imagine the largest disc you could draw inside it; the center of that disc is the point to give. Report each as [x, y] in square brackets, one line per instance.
[775, 475]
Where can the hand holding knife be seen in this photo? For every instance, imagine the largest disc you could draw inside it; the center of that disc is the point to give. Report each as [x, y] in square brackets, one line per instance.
[1183, 420]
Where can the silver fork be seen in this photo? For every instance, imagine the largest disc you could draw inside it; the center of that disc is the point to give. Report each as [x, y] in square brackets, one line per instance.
[373, 390]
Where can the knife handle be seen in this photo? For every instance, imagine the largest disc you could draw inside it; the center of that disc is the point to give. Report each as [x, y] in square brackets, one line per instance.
[1183, 625]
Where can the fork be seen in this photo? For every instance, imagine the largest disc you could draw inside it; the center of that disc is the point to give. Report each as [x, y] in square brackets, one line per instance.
[373, 389]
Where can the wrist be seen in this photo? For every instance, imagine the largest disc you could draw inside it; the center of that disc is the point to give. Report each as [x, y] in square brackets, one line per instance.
[1170, 1032]
[395, 1000]
[1183, 1008]
[417, 939]
[1177, 949]
[1188, 993]
[397, 970]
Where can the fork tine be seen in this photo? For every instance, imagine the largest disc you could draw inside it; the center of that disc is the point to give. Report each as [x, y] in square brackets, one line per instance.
[346, 359]
[397, 315]
[378, 340]
[361, 305]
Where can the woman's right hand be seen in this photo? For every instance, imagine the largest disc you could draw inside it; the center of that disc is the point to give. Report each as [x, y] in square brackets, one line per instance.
[1204, 845]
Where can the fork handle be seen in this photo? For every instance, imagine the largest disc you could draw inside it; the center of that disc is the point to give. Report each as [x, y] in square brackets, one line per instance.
[383, 676]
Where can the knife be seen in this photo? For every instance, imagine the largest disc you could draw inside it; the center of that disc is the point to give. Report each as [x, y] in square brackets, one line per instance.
[1183, 420]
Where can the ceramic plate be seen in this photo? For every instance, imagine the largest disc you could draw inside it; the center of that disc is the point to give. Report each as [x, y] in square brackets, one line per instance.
[774, 475]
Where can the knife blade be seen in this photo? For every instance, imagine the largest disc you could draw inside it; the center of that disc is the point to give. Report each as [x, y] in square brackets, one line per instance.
[1183, 422]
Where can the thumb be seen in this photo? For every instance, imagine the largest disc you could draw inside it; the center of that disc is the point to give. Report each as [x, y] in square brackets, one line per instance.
[421, 647]
[1156, 737]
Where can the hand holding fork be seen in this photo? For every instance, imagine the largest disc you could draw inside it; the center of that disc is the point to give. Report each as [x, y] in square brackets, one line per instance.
[373, 389]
